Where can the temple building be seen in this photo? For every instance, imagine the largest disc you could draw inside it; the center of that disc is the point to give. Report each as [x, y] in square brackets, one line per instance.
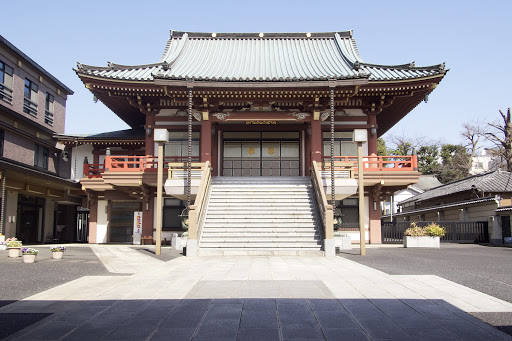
[261, 114]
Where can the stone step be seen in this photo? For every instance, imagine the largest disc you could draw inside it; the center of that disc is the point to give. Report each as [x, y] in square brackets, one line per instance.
[233, 221]
[276, 234]
[252, 229]
[211, 252]
[260, 208]
[295, 245]
[259, 214]
[257, 204]
[258, 188]
[263, 200]
[259, 239]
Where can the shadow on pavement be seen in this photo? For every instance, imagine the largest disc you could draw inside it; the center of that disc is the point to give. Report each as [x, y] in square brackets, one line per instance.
[242, 319]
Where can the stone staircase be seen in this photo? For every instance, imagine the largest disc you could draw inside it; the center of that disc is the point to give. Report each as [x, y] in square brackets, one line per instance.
[261, 216]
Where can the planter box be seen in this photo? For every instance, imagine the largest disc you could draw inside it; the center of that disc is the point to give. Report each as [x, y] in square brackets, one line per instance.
[29, 258]
[14, 252]
[422, 241]
[57, 254]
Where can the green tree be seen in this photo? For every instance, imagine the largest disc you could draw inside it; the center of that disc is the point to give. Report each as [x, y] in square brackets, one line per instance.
[428, 157]
[456, 162]
[381, 147]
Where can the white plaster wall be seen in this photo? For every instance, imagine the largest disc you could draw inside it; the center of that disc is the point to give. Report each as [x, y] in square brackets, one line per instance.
[77, 163]
[102, 222]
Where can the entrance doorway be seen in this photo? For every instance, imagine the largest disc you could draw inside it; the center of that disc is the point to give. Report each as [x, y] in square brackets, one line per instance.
[121, 220]
[29, 225]
[261, 154]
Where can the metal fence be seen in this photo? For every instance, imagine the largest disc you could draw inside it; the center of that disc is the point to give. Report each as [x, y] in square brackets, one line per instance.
[456, 231]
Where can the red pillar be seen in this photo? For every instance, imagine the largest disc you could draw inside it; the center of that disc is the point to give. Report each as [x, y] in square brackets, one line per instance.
[206, 140]
[147, 215]
[316, 141]
[150, 143]
[372, 139]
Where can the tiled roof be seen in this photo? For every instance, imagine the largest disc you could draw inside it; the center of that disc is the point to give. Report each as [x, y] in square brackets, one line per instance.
[272, 58]
[493, 182]
[127, 134]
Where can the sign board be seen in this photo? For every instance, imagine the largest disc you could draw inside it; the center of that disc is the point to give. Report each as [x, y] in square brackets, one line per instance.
[508, 240]
[137, 222]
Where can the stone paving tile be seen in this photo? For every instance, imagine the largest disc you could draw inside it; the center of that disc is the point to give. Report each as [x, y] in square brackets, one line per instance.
[134, 329]
[383, 328]
[429, 334]
[307, 330]
[335, 319]
[178, 334]
[224, 311]
[465, 330]
[343, 334]
[224, 329]
[258, 334]
[259, 318]
[51, 331]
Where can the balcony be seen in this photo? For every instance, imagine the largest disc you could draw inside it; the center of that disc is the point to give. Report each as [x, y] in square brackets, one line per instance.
[132, 164]
[388, 171]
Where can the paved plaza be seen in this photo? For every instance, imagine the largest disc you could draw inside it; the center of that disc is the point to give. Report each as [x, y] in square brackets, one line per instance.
[253, 298]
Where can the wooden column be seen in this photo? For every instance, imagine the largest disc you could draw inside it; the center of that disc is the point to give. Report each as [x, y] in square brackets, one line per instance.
[150, 143]
[206, 138]
[95, 155]
[316, 141]
[147, 215]
[372, 140]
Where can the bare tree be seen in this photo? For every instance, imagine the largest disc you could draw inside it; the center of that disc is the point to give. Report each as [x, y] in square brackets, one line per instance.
[472, 132]
[502, 138]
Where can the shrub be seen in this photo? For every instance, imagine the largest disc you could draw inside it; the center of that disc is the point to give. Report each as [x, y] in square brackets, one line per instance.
[434, 230]
[431, 230]
[13, 242]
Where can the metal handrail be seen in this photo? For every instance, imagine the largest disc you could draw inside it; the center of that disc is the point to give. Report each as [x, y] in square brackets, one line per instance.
[324, 208]
[197, 210]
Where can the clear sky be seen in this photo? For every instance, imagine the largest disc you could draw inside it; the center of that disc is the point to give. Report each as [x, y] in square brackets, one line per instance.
[472, 37]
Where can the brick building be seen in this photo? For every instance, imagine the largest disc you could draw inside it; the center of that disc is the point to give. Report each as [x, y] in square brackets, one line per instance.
[37, 201]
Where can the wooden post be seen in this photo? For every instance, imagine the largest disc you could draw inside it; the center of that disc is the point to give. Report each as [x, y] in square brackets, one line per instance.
[360, 180]
[159, 198]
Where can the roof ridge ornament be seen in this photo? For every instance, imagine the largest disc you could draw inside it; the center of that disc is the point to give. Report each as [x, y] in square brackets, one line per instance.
[357, 65]
[165, 66]
[411, 64]
[442, 66]
[110, 65]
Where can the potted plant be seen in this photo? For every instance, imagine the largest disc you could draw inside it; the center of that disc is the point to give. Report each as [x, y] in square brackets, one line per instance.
[428, 236]
[57, 252]
[14, 246]
[29, 255]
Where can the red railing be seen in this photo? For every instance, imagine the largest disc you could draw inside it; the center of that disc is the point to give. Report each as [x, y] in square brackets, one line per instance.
[119, 163]
[391, 163]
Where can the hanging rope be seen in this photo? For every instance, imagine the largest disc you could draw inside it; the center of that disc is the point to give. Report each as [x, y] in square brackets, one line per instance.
[189, 162]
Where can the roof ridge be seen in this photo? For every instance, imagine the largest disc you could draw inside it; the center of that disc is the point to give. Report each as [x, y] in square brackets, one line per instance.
[233, 35]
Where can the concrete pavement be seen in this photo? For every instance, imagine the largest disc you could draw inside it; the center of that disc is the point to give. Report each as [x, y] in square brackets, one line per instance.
[256, 298]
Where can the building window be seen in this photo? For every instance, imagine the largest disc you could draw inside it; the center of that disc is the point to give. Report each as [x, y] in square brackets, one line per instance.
[1, 143]
[30, 101]
[176, 150]
[349, 210]
[171, 211]
[343, 144]
[6, 73]
[41, 157]
[48, 110]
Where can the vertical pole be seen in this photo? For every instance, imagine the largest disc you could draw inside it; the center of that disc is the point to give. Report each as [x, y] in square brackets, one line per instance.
[2, 209]
[361, 197]
[333, 198]
[159, 198]
[189, 162]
